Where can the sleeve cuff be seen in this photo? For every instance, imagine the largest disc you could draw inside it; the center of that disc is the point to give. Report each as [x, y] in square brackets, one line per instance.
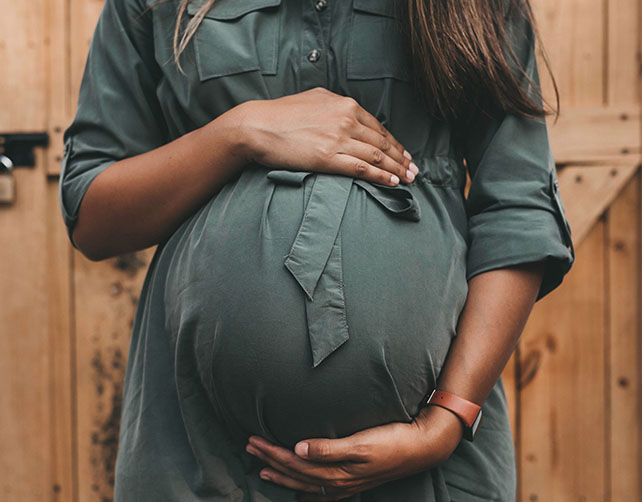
[72, 188]
[513, 236]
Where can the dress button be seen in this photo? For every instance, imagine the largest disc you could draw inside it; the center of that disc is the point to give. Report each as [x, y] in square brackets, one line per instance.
[320, 4]
[314, 55]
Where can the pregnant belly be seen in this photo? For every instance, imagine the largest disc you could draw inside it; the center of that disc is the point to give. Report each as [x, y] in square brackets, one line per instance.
[278, 355]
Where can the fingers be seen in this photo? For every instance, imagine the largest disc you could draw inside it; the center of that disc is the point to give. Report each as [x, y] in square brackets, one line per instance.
[358, 168]
[378, 160]
[369, 120]
[286, 466]
[296, 467]
[377, 147]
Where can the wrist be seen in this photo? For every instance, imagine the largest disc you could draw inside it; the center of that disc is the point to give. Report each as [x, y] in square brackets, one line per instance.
[439, 432]
[233, 127]
[242, 121]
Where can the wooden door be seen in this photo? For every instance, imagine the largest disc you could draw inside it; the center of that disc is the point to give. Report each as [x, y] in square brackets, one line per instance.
[575, 389]
[64, 321]
[35, 310]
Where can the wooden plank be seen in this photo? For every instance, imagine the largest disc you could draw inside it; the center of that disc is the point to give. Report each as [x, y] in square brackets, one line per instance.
[572, 33]
[25, 422]
[25, 427]
[59, 95]
[624, 272]
[61, 368]
[562, 385]
[624, 56]
[587, 191]
[61, 390]
[602, 135]
[21, 51]
[83, 17]
[106, 295]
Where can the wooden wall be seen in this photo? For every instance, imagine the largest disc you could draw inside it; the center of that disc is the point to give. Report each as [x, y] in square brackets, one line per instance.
[576, 374]
[574, 382]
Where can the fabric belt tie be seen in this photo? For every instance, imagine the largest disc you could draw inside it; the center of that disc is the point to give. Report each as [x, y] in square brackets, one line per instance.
[315, 256]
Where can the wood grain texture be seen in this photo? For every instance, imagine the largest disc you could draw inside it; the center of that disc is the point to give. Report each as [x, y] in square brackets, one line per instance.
[597, 135]
[562, 386]
[106, 297]
[572, 34]
[59, 90]
[61, 388]
[624, 342]
[624, 64]
[28, 318]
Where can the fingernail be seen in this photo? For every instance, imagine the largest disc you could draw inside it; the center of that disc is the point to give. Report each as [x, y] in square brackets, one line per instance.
[250, 449]
[406, 154]
[302, 449]
[411, 175]
[413, 167]
[394, 179]
[264, 476]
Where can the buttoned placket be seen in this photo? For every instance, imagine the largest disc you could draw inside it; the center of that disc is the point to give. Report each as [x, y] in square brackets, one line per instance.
[314, 44]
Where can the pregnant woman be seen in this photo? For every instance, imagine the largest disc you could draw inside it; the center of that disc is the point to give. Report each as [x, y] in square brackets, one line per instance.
[301, 166]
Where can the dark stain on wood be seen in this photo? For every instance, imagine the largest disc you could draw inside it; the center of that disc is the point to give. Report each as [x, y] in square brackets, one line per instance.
[528, 367]
[551, 343]
[129, 263]
[108, 373]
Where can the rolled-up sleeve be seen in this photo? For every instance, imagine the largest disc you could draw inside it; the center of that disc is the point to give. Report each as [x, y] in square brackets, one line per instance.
[118, 113]
[514, 208]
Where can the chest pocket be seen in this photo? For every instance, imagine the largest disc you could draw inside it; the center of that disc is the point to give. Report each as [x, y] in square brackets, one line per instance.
[376, 44]
[236, 36]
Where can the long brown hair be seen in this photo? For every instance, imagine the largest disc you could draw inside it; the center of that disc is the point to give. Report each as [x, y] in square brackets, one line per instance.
[456, 52]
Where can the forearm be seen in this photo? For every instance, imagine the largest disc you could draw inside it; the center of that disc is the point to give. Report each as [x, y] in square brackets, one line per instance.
[139, 201]
[496, 310]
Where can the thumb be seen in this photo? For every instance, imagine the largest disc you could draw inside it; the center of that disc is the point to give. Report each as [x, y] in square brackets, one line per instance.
[327, 450]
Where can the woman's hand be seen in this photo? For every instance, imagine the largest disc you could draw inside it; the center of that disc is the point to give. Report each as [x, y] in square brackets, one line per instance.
[318, 130]
[363, 460]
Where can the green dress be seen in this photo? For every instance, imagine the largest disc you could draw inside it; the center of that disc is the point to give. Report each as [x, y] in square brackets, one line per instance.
[295, 304]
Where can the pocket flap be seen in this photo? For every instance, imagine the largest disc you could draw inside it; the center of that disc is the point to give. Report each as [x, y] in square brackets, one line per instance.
[381, 7]
[229, 9]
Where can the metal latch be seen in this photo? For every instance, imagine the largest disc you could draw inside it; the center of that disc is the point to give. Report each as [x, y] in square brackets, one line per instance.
[16, 150]
[19, 147]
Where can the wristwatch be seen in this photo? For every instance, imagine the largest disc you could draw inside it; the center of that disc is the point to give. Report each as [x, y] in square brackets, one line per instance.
[468, 412]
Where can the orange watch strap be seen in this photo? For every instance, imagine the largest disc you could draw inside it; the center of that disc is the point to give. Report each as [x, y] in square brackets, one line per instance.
[464, 409]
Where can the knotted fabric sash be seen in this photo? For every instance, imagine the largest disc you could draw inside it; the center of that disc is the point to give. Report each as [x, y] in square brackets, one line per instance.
[315, 256]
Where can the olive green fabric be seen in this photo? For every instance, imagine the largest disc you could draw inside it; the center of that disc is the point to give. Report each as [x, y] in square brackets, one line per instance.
[296, 304]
